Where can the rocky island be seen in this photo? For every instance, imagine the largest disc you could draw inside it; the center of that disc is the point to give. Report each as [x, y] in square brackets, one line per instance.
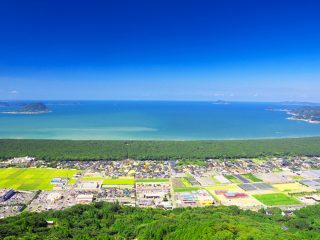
[31, 108]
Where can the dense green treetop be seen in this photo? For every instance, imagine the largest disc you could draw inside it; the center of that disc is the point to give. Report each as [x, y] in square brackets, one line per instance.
[34, 108]
[158, 150]
[111, 221]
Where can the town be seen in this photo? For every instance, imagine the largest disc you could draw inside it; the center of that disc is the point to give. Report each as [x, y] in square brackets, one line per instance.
[29, 184]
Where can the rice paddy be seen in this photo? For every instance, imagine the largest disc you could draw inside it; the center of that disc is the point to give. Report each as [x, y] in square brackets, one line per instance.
[31, 178]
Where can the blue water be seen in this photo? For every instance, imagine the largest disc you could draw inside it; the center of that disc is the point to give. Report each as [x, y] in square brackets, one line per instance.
[154, 120]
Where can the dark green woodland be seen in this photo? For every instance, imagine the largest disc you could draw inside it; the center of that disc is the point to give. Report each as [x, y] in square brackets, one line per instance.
[111, 221]
[158, 150]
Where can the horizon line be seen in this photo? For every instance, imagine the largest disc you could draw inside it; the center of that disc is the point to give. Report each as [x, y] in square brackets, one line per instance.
[160, 100]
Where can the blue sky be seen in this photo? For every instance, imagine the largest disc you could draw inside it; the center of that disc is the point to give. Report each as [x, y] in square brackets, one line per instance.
[160, 50]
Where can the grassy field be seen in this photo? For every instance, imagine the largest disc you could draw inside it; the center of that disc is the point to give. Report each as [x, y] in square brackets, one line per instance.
[118, 181]
[186, 182]
[252, 177]
[72, 181]
[274, 199]
[232, 179]
[31, 178]
[153, 180]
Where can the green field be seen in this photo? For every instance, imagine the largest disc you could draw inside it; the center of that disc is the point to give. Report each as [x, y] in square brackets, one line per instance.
[118, 181]
[232, 179]
[152, 180]
[72, 181]
[31, 178]
[252, 177]
[274, 199]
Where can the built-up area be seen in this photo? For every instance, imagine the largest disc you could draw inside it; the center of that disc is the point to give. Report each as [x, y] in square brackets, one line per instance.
[27, 184]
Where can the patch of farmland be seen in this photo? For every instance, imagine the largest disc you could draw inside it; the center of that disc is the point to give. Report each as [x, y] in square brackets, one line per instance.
[32, 178]
[177, 183]
[276, 199]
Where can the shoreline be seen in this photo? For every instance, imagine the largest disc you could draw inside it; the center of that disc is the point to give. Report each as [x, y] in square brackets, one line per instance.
[294, 116]
[25, 113]
[303, 120]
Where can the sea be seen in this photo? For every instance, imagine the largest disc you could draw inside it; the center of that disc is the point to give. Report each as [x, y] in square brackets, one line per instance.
[154, 120]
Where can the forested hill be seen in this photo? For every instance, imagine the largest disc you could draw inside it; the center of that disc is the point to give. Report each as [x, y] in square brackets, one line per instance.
[107, 221]
[157, 150]
[36, 107]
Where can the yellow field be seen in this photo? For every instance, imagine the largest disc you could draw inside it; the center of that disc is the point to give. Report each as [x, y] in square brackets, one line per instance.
[291, 187]
[230, 187]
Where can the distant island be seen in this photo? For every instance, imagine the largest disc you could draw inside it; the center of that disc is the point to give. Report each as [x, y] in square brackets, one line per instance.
[4, 104]
[221, 102]
[31, 108]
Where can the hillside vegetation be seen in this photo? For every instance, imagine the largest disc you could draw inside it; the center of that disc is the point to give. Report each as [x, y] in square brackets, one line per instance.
[158, 150]
[107, 221]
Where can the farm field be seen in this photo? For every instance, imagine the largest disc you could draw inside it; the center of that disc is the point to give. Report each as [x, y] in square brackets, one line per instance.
[186, 182]
[177, 183]
[292, 187]
[31, 178]
[232, 179]
[230, 187]
[118, 181]
[252, 177]
[92, 178]
[72, 181]
[274, 199]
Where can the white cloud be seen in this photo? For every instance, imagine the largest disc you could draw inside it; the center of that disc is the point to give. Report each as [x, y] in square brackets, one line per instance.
[14, 92]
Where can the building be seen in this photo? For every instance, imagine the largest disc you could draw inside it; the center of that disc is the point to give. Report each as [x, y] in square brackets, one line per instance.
[53, 197]
[204, 198]
[84, 198]
[21, 160]
[89, 185]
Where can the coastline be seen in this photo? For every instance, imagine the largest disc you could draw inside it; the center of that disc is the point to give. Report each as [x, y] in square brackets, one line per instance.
[304, 120]
[294, 116]
[25, 113]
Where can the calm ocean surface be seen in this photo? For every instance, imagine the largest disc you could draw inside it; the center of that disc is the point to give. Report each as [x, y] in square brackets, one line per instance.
[154, 120]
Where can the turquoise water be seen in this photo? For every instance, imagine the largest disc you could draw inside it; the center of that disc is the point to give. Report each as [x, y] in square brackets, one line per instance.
[154, 120]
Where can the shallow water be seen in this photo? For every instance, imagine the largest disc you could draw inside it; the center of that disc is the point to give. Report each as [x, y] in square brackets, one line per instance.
[154, 120]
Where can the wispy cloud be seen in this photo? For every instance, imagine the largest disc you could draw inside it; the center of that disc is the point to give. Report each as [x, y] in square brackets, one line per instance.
[14, 92]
